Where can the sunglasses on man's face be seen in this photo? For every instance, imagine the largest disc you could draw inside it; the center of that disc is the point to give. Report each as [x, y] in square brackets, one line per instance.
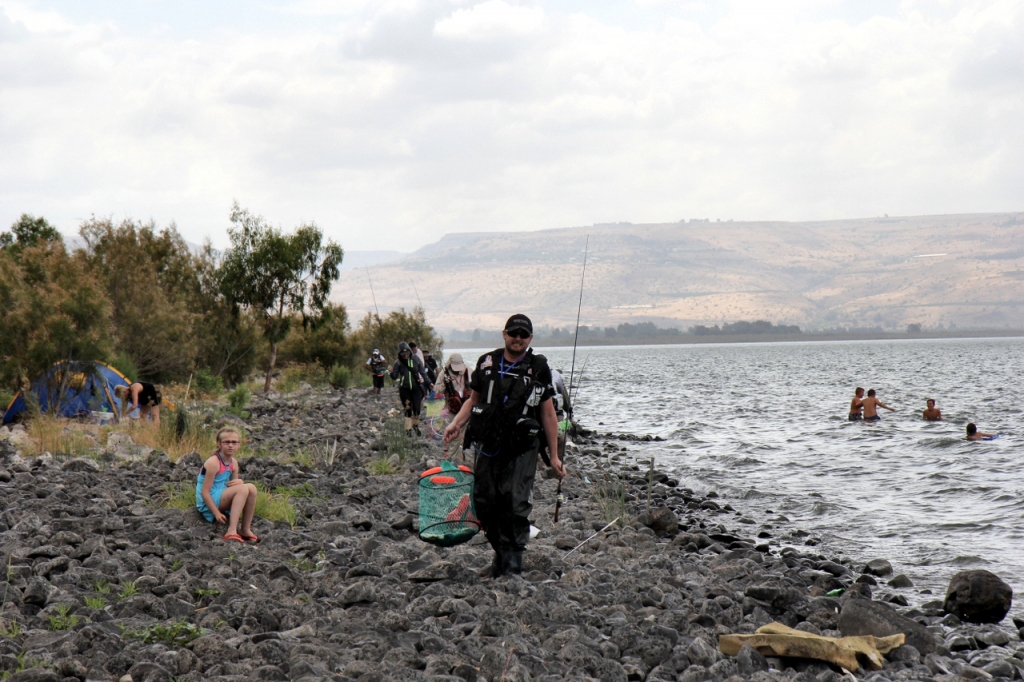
[519, 334]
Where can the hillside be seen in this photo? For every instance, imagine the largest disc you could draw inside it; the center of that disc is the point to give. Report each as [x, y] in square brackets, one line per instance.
[955, 270]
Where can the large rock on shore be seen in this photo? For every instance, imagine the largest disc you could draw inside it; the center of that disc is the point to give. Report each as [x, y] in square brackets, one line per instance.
[866, 617]
[978, 596]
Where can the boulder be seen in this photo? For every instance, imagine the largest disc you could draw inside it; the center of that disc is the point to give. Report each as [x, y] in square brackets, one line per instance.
[879, 567]
[978, 596]
[865, 617]
[663, 520]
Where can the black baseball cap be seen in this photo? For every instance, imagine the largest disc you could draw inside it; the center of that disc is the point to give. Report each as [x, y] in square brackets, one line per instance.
[519, 321]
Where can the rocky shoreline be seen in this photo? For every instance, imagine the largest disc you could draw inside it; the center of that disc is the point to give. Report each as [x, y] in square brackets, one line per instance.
[103, 582]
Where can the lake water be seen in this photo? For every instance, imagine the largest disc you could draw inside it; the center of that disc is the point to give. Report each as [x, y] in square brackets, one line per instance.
[765, 424]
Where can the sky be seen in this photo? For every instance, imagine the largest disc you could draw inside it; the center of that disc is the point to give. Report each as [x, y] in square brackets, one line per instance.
[390, 123]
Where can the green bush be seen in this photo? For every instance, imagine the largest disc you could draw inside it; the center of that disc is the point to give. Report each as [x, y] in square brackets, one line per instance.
[204, 381]
[124, 364]
[239, 398]
[340, 376]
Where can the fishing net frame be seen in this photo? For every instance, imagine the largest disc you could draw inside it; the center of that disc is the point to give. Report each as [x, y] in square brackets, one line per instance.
[446, 510]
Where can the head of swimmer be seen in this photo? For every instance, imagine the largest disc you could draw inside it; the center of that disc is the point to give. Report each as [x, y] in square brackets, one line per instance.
[930, 403]
[971, 429]
[871, 393]
[859, 392]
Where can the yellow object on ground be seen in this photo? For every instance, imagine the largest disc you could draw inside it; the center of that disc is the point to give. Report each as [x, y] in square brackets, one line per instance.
[776, 639]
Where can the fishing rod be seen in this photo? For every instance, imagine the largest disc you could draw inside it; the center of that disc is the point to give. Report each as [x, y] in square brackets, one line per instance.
[579, 309]
[376, 310]
[417, 296]
[572, 370]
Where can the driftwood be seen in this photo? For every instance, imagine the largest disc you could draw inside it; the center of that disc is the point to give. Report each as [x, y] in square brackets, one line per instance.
[850, 653]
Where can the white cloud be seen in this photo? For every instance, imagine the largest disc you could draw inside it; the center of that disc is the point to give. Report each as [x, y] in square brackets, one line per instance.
[491, 20]
[391, 123]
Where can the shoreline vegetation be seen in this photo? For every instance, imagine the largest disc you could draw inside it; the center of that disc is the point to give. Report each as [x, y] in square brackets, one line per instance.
[110, 573]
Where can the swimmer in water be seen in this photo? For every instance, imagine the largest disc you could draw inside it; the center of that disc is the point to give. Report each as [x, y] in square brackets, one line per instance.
[871, 405]
[974, 434]
[856, 405]
[931, 413]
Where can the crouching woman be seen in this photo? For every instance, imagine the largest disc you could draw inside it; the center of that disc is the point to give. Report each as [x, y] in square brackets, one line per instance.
[219, 489]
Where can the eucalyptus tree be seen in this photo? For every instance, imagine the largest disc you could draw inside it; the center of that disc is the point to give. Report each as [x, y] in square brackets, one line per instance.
[277, 275]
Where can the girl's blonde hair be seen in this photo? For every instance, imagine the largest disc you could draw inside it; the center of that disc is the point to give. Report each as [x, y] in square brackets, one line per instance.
[120, 391]
[228, 429]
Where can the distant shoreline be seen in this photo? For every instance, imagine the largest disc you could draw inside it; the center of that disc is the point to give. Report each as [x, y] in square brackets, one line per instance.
[689, 339]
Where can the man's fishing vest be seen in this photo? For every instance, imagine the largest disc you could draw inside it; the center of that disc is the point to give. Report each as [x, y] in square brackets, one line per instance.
[505, 422]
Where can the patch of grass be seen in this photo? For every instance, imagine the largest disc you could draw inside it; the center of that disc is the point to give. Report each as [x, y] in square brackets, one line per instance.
[62, 620]
[180, 495]
[610, 495]
[206, 593]
[275, 507]
[178, 563]
[303, 490]
[102, 586]
[128, 589]
[10, 628]
[293, 375]
[60, 436]
[176, 634]
[22, 664]
[397, 441]
[238, 399]
[95, 602]
[197, 437]
[340, 377]
[303, 564]
[380, 466]
[303, 457]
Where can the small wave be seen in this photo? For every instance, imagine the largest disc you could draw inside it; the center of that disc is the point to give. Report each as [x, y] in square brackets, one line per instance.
[968, 560]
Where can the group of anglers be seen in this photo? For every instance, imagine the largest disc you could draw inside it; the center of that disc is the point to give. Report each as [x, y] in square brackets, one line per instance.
[866, 409]
[507, 406]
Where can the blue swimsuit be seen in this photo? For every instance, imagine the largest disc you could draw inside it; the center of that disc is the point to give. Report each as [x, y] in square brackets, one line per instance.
[220, 482]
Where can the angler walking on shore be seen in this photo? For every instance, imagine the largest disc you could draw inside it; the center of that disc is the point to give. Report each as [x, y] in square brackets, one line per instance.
[412, 382]
[509, 410]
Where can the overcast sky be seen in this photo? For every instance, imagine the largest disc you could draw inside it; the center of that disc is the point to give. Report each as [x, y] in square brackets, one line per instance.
[390, 123]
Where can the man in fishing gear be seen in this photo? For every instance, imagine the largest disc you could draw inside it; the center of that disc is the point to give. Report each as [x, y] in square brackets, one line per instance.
[377, 366]
[412, 380]
[509, 410]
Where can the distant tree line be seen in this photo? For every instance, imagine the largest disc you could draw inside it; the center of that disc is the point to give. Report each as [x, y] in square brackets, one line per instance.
[140, 299]
[743, 327]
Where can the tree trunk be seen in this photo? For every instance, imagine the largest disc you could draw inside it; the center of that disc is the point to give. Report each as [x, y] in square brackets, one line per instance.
[270, 367]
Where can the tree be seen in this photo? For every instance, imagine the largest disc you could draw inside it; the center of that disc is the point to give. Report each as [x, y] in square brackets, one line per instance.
[28, 231]
[149, 277]
[278, 275]
[386, 333]
[52, 310]
[325, 342]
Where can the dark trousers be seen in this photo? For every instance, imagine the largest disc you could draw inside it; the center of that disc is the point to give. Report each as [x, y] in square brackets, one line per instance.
[412, 399]
[501, 494]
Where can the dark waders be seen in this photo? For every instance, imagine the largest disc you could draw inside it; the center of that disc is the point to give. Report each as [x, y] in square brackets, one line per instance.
[502, 493]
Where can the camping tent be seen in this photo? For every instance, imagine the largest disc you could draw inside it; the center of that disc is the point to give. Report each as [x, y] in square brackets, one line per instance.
[72, 388]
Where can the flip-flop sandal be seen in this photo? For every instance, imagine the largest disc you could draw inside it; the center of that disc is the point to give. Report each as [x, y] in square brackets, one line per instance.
[250, 538]
[233, 537]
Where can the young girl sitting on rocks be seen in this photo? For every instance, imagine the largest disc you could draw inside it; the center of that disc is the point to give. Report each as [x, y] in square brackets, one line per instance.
[218, 488]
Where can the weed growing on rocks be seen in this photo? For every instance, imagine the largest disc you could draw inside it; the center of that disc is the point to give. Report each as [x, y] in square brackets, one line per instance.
[59, 437]
[102, 586]
[380, 467]
[10, 628]
[610, 495]
[180, 495]
[62, 620]
[176, 634]
[128, 589]
[274, 506]
[95, 602]
[22, 664]
[396, 439]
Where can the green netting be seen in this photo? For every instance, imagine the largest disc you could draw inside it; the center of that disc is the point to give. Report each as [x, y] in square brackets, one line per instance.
[447, 514]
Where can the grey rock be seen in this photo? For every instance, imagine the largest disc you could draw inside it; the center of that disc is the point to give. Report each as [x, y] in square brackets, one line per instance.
[749, 661]
[863, 617]
[82, 464]
[35, 675]
[901, 581]
[978, 596]
[878, 567]
[149, 672]
[1000, 669]
[362, 591]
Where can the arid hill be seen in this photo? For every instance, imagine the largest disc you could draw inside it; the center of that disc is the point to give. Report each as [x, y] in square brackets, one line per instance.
[962, 270]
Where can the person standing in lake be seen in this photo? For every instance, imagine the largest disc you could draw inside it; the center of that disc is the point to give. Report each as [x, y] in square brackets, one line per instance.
[931, 413]
[509, 409]
[856, 405]
[871, 405]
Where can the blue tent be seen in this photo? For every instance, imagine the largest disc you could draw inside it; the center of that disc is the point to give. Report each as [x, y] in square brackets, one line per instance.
[71, 389]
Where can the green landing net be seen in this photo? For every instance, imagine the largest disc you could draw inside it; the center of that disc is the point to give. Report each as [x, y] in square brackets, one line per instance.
[447, 514]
